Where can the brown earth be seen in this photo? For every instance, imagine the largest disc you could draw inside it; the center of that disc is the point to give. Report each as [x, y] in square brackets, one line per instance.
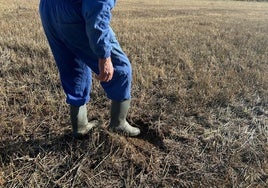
[200, 92]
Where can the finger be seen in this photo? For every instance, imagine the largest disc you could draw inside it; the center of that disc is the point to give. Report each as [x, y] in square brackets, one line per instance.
[110, 76]
[100, 77]
[103, 77]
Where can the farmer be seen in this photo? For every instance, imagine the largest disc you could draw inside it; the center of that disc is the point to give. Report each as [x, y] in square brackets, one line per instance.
[81, 40]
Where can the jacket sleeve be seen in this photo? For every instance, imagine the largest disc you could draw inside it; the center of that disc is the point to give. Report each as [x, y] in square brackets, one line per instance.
[97, 16]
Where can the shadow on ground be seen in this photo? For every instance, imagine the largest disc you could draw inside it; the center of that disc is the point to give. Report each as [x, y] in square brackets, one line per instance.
[20, 147]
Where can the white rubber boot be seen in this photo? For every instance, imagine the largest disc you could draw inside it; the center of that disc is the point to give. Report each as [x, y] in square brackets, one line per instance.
[118, 122]
[79, 120]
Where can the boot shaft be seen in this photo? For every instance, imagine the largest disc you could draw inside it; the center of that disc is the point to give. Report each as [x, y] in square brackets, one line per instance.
[119, 111]
[78, 115]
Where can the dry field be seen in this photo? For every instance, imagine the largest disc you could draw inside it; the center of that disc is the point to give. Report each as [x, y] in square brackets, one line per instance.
[200, 88]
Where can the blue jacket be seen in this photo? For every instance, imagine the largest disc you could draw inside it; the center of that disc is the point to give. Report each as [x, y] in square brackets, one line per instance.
[97, 16]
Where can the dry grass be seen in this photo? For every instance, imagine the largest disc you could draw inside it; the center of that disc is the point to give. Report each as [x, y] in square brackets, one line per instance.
[199, 95]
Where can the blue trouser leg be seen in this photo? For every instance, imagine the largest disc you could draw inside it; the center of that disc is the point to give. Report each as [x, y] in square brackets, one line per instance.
[74, 74]
[119, 87]
[74, 57]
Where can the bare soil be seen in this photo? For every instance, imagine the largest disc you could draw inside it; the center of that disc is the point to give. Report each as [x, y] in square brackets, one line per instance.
[199, 92]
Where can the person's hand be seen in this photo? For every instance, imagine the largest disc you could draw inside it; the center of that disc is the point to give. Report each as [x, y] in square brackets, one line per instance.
[106, 69]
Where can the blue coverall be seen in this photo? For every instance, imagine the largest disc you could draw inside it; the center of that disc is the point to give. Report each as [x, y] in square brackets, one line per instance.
[79, 33]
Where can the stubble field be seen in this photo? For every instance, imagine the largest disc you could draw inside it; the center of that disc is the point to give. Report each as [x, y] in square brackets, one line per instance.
[200, 89]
